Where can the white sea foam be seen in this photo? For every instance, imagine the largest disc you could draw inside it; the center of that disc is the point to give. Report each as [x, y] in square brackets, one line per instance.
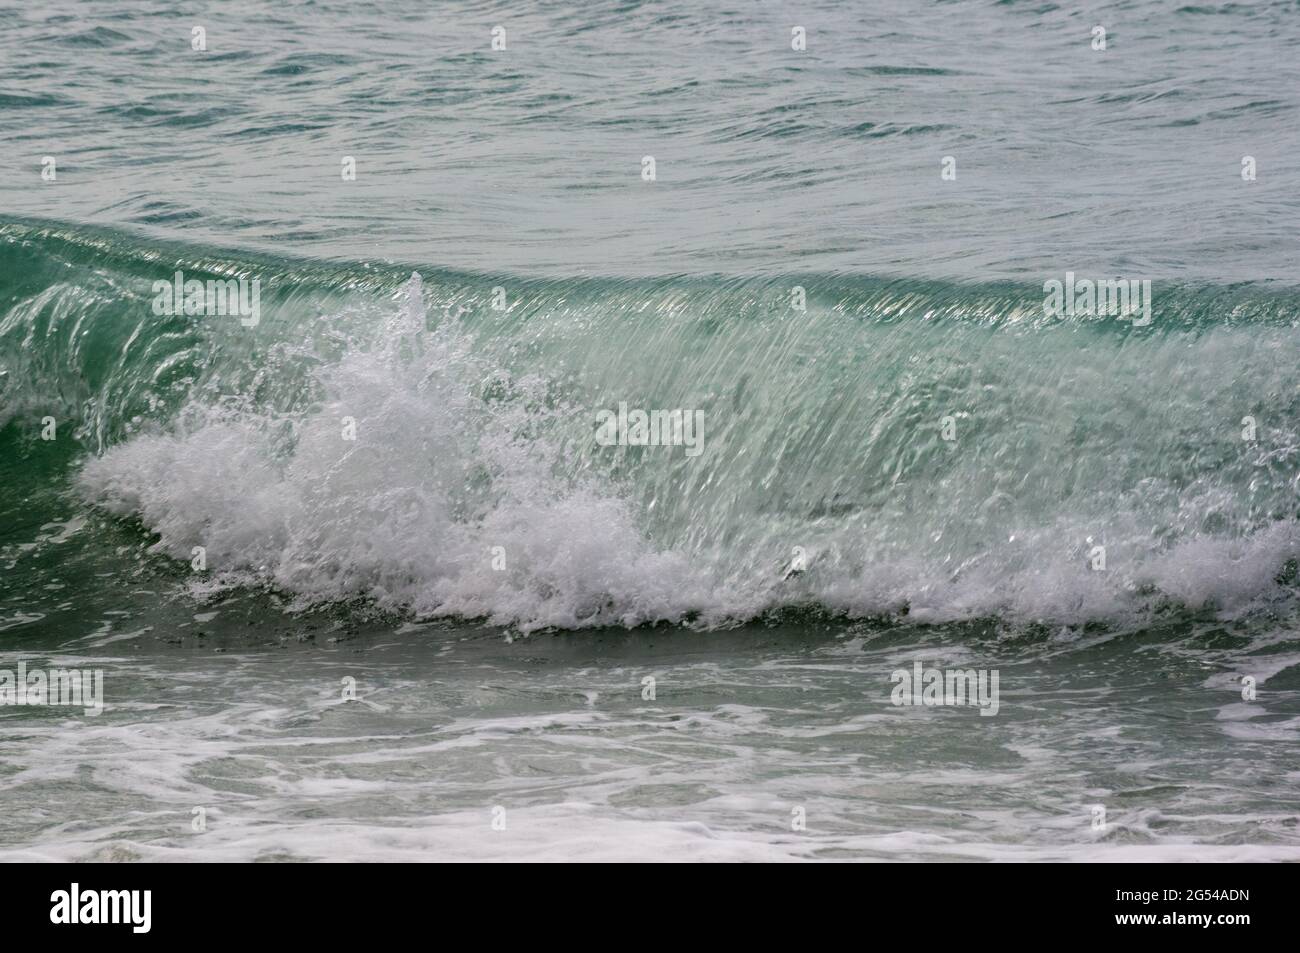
[282, 769]
[408, 513]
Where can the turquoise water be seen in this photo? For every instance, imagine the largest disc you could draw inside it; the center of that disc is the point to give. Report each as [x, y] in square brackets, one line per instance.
[429, 597]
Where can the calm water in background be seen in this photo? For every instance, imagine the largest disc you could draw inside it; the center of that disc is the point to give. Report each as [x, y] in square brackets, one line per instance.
[522, 689]
[1125, 161]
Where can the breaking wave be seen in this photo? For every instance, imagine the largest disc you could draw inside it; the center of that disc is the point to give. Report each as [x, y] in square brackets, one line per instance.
[900, 448]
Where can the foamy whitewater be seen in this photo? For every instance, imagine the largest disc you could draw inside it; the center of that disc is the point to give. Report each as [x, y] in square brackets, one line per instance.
[382, 571]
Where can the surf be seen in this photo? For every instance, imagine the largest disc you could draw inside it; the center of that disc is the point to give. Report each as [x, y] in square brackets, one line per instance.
[926, 450]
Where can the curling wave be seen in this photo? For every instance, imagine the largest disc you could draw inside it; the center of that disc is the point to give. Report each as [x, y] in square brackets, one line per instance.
[928, 449]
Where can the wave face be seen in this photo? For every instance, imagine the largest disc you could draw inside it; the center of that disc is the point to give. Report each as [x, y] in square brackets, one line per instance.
[924, 449]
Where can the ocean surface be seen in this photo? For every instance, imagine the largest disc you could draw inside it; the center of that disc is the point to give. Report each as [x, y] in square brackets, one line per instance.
[362, 576]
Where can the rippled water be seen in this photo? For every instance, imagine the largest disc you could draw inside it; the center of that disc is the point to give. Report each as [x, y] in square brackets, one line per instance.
[1125, 161]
